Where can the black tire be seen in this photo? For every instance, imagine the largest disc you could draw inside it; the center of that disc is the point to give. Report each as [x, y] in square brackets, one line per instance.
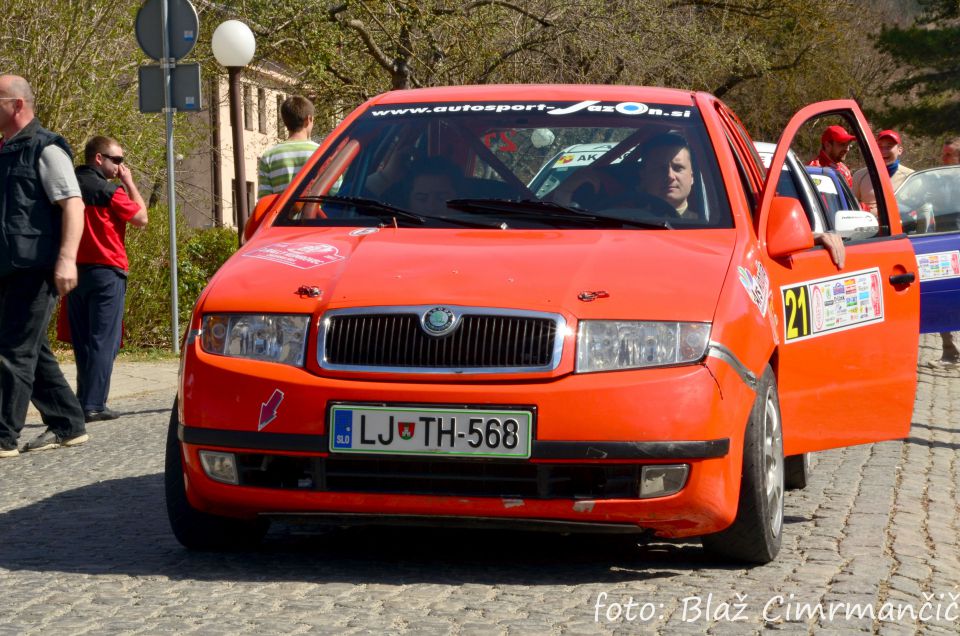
[197, 530]
[757, 531]
[796, 471]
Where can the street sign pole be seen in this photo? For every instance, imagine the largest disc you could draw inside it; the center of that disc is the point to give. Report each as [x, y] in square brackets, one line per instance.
[168, 62]
[167, 31]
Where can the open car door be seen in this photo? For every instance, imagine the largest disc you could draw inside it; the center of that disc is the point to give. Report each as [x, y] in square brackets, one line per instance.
[847, 338]
[929, 203]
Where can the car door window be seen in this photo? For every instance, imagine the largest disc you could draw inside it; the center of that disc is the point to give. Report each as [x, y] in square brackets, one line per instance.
[929, 201]
[796, 183]
[822, 175]
[749, 164]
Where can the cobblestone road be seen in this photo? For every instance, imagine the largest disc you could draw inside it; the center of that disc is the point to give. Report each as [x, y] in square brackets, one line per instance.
[86, 549]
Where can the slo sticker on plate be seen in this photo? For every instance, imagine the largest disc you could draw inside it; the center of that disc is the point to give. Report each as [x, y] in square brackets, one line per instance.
[430, 431]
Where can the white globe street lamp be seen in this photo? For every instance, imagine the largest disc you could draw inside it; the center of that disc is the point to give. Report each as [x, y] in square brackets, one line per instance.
[234, 45]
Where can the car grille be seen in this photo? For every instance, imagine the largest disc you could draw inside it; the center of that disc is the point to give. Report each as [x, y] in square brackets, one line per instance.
[441, 477]
[483, 341]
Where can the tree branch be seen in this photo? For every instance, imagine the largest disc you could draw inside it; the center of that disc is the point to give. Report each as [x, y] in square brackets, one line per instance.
[734, 80]
[509, 5]
[763, 11]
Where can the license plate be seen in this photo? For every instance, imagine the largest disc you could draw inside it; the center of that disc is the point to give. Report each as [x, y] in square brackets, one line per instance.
[427, 431]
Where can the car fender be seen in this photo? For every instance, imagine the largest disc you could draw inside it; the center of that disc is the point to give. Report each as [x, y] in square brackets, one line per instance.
[744, 334]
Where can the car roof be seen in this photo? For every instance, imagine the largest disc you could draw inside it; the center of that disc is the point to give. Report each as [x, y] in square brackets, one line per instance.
[766, 149]
[538, 93]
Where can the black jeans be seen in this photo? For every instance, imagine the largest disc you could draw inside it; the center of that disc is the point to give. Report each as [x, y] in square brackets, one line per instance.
[95, 309]
[28, 368]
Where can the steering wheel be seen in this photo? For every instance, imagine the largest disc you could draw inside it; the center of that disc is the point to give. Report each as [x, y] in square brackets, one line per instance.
[648, 205]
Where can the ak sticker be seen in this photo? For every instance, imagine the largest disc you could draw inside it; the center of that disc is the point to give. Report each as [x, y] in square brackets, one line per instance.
[939, 265]
[819, 307]
[299, 255]
[757, 286]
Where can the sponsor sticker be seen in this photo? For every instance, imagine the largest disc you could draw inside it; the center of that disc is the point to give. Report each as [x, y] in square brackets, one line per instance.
[589, 105]
[819, 307]
[363, 231]
[299, 255]
[757, 286]
[939, 265]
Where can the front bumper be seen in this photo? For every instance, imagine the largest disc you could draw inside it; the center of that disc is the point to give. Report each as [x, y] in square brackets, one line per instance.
[600, 425]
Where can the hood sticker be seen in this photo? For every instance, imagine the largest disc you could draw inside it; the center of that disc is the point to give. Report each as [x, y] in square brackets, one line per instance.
[757, 286]
[362, 231]
[939, 265]
[268, 409]
[299, 255]
[590, 296]
[825, 305]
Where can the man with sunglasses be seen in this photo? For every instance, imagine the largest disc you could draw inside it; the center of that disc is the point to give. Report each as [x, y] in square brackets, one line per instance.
[95, 307]
[41, 221]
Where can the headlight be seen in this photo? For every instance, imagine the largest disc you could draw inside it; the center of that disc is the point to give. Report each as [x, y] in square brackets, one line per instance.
[269, 337]
[609, 345]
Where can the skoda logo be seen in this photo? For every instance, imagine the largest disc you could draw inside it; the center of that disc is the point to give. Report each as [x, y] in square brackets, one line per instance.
[438, 321]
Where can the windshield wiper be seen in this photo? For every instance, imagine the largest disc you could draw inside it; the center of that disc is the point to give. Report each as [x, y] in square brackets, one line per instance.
[534, 208]
[378, 209]
[388, 212]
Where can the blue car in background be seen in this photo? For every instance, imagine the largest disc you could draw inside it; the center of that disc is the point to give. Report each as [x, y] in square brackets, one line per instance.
[929, 202]
[834, 191]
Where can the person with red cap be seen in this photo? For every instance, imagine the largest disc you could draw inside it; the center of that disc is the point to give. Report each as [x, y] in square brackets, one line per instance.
[890, 149]
[834, 144]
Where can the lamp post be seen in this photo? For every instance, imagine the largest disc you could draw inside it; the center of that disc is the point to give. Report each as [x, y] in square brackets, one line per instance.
[233, 46]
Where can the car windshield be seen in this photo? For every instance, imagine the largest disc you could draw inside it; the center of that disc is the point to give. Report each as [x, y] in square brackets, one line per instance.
[929, 200]
[518, 165]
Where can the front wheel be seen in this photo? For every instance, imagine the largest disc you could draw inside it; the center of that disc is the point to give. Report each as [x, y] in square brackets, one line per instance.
[197, 530]
[757, 531]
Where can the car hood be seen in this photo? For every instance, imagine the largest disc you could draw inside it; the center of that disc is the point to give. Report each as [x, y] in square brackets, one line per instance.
[642, 274]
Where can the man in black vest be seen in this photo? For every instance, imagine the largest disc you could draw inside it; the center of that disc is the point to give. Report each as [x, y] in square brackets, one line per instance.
[41, 221]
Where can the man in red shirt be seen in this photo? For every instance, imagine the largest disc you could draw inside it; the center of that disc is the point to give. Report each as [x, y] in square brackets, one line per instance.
[834, 144]
[95, 307]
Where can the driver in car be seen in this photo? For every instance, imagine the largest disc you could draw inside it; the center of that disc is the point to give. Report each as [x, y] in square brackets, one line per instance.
[662, 187]
[666, 172]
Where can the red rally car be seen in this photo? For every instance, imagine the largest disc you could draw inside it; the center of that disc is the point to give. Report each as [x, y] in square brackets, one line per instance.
[653, 344]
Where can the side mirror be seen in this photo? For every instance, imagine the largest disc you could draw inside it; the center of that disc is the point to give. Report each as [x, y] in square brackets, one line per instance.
[855, 224]
[264, 205]
[788, 230]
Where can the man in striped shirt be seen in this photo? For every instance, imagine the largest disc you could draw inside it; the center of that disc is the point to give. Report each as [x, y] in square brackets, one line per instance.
[281, 162]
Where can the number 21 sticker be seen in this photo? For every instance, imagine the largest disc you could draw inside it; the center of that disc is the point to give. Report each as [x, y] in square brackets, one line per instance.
[819, 307]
